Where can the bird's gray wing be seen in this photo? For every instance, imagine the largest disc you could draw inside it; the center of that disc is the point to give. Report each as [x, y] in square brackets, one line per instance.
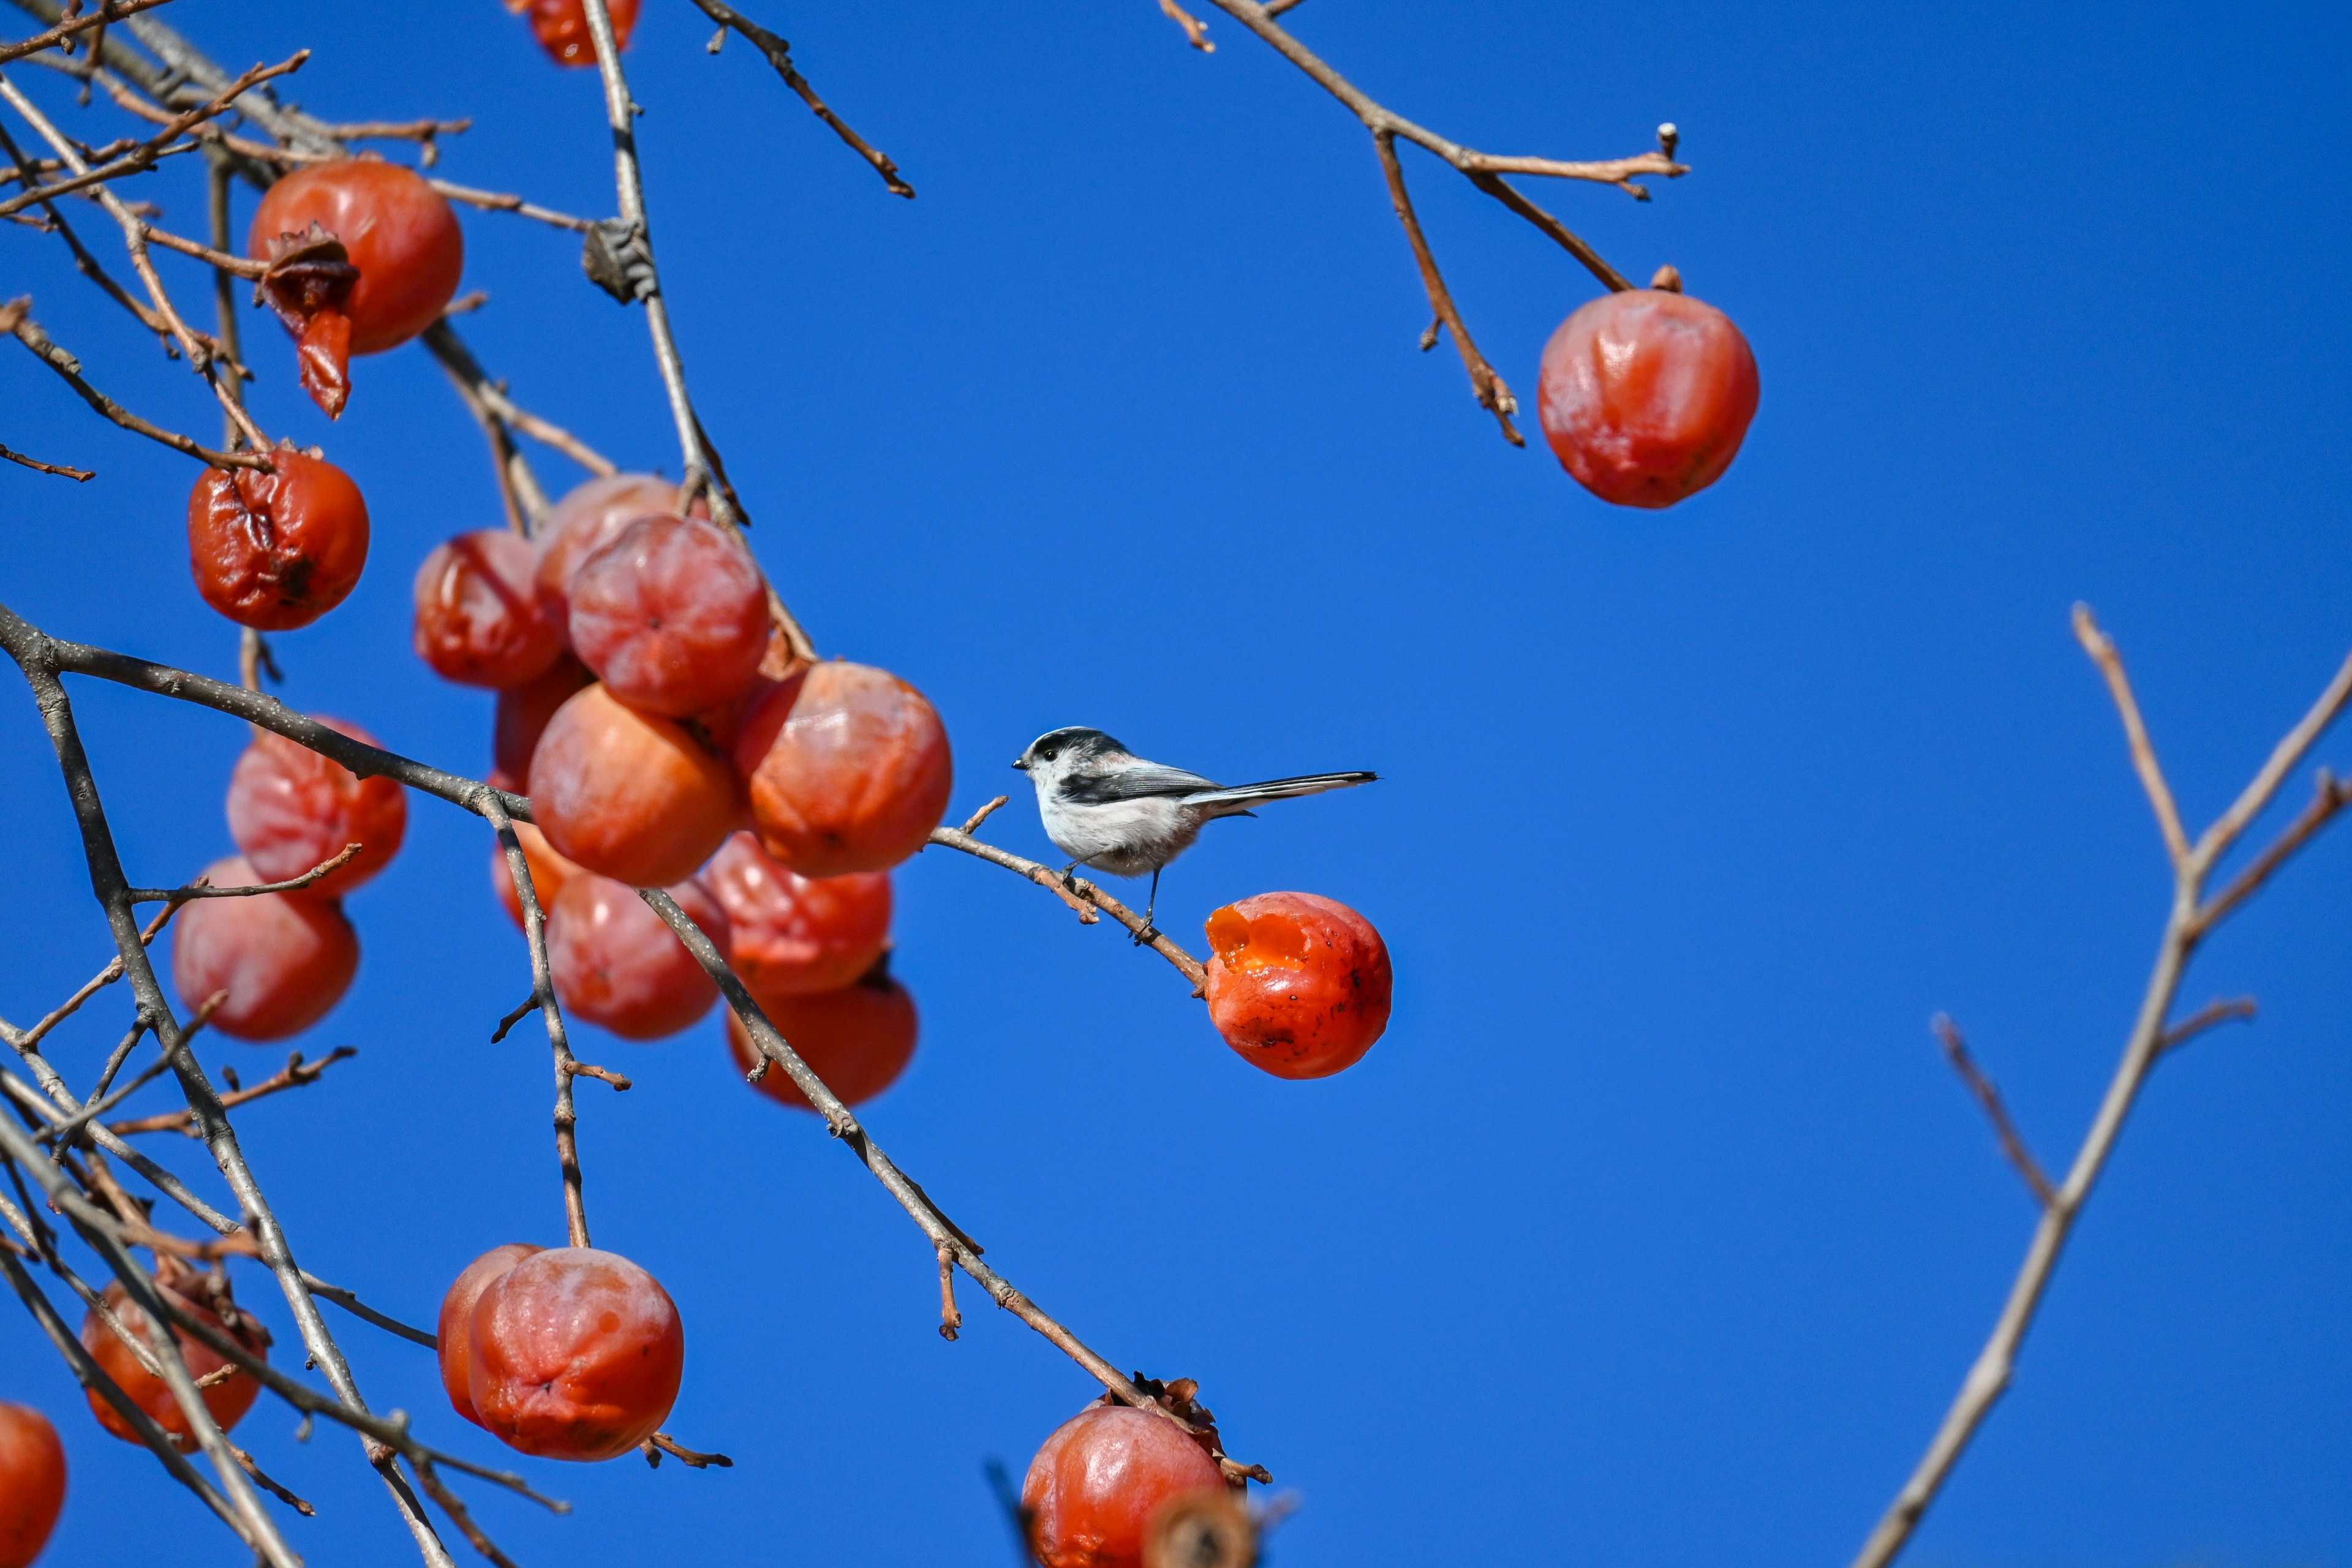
[1131, 781]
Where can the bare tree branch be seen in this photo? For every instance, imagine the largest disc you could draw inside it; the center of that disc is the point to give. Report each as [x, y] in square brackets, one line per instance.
[780, 55]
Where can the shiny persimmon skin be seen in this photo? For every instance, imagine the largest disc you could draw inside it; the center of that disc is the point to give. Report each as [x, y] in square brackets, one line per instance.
[1299, 984]
[32, 1483]
[523, 712]
[398, 230]
[847, 768]
[859, 1039]
[227, 1400]
[586, 521]
[561, 28]
[793, 935]
[1093, 1488]
[629, 796]
[284, 962]
[455, 1329]
[672, 614]
[291, 809]
[617, 965]
[549, 872]
[1645, 396]
[576, 1354]
[478, 620]
[277, 551]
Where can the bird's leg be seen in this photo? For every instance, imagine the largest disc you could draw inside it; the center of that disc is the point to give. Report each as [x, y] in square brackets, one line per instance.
[1069, 875]
[1151, 903]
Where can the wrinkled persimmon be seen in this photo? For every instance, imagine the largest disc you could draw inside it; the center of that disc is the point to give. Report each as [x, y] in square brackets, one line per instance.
[1092, 1489]
[1299, 984]
[575, 1354]
[1645, 396]
[616, 964]
[857, 1041]
[629, 796]
[561, 28]
[549, 870]
[227, 1400]
[590, 517]
[523, 712]
[847, 768]
[284, 962]
[478, 620]
[276, 551]
[32, 1483]
[291, 809]
[791, 935]
[672, 614]
[454, 1332]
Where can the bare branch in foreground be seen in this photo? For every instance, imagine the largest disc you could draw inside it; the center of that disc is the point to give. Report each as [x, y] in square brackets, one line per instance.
[2012, 1142]
[296, 1074]
[200, 888]
[109, 11]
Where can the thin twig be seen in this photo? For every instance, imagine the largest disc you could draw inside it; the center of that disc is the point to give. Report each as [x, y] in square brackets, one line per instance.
[493, 201]
[296, 1074]
[542, 985]
[200, 888]
[2012, 1142]
[1081, 895]
[780, 55]
[109, 11]
[2211, 1015]
[661, 1443]
[19, 324]
[950, 1318]
[2102, 649]
[1493, 393]
[61, 471]
[1196, 33]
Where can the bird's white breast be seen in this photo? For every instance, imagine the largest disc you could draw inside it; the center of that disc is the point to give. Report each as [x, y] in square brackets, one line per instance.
[1125, 837]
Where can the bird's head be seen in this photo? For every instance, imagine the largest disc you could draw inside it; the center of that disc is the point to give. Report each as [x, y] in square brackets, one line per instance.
[1061, 752]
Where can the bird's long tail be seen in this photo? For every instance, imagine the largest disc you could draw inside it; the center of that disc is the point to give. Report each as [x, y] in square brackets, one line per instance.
[1241, 797]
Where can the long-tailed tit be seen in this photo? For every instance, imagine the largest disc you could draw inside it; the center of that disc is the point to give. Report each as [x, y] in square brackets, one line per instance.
[1108, 808]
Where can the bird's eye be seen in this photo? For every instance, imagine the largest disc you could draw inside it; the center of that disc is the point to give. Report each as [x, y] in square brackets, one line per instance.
[1047, 755]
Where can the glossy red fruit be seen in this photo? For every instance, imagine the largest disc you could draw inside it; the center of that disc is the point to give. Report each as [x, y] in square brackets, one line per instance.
[291, 809]
[284, 962]
[277, 551]
[794, 935]
[523, 712]
[364, 256]
[561, 28]
[1299, 984]
[672, 616]
[1093, 1488]
[1646, 394]
[549, 871]
[586, 521]
[477, 616]
[32, 1483]
[629, 796]
[616, 964]
[455, 1329]
[847, 767]
[576, 1354]
[229, 1400]
[858, 1039]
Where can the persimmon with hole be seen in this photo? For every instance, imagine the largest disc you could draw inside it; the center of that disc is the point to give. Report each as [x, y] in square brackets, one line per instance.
[363, 255]
[549, 872]
[454, 1332]
[616, 964]
[561, 28]
[522, 714]
[858, 1039]
[629, 796]
[291, 809]
[229, 1400]
[575, 1354]
[588, 518]
[672, 614]
[478, 620]
[847, 768]
[284, 962]
[1093, 1487]
[1645, 396]
[32, 1483]
[792, 935]
[276, 551]
[1299, 984]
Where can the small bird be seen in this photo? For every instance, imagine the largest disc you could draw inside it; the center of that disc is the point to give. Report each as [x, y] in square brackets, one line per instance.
[1109, 809]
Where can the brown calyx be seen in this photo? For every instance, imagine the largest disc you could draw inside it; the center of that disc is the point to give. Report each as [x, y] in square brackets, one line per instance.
[1181, 1399]
[308, 283]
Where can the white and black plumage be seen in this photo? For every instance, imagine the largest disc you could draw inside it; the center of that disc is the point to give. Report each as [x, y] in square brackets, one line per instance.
[1108, 808]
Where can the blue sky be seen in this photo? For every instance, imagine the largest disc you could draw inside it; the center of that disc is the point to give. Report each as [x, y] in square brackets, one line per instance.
[1655, 1231]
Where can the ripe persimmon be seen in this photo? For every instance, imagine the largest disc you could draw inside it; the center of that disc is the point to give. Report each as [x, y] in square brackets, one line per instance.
[791, 935]
[1093, 1487]
[847, 768]
[858, 1039]
[672, 614]
[1299, 984]
[1645, 396]
[453, 1330]
[227, 1400]
[478, 620]
[284, 962]
[617, 965]
[561, 28]
[575, 1354]
[276, 551]
[32, 1483]
[629, 796]
[290, 808]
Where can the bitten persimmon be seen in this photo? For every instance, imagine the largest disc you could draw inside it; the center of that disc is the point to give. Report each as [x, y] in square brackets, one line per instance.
[453, 1333]
[291, 809]
[1299, 984]
[616, 964]
[523, 712]
[629, 796]
[363, 255]
[1095, 1485]
[859, 1039]
[561, 28]
[32, 1483]
[848, 768]
[1645, 396]
[276, 551]
[792, 935]
[588, 518]
[284, 962]
[549, 870]
[479, 619]
[575, 1354]
[672, 614]
[229, 1400]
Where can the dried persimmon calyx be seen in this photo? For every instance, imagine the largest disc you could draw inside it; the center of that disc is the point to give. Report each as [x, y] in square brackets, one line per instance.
[308, 284]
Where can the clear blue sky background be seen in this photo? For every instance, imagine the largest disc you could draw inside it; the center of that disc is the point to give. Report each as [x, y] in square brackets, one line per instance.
[1655, 1231]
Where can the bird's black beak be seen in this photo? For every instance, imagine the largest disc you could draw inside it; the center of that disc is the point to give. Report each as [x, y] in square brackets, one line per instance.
[1021, 764]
